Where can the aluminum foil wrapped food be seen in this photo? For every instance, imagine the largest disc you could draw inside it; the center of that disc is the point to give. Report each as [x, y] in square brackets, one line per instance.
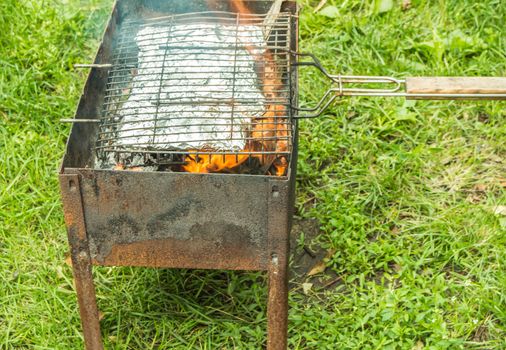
[196, 88]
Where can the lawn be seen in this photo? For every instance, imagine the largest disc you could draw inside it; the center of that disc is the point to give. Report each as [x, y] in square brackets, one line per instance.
[409, 198]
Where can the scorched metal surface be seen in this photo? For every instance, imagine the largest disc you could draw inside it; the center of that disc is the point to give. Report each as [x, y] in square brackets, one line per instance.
[172, 219]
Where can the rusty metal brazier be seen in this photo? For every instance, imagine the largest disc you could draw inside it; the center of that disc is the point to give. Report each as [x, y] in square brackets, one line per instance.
[172, 219]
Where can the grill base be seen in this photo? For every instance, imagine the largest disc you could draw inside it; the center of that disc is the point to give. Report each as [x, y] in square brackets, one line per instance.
[130, 238]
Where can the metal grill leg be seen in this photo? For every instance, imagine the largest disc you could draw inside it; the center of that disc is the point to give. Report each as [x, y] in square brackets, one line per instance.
[278, 233]
[87, 301]
[277, 304]
[81, 261]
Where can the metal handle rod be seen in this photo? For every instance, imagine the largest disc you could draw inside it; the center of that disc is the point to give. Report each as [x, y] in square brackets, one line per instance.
[67, 120]
[92, 65]
[434, 96]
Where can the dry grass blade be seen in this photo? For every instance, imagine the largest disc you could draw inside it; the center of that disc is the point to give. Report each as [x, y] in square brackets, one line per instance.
[320, 6]
[318, 268]
[321, 266]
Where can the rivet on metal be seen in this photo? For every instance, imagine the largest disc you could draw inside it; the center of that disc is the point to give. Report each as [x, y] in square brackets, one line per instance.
[275, 259]
[82, 256]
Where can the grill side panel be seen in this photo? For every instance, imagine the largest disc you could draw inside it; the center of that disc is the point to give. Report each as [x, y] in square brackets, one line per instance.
[176, 220]
[83, 136]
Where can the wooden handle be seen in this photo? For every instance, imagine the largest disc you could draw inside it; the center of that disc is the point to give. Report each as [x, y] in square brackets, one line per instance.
[450, 88]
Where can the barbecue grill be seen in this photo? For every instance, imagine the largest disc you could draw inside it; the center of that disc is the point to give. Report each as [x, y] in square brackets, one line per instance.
[183, 148]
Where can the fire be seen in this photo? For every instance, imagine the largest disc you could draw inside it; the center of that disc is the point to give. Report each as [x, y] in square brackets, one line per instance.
[212, 164]
[269, 133]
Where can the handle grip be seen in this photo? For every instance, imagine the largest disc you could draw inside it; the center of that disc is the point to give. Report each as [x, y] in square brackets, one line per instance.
[450, 88]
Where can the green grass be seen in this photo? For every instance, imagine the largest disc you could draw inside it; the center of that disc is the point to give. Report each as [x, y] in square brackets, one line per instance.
[405, 194]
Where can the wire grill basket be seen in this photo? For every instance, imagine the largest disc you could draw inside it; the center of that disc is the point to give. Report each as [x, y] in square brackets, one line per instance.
[185, 87]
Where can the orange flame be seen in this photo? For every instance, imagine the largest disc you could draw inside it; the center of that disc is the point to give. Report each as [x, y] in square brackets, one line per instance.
[212, 163]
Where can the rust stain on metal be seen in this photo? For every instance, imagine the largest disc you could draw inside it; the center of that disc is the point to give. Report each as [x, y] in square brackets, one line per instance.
[169, 253]
[278, 247]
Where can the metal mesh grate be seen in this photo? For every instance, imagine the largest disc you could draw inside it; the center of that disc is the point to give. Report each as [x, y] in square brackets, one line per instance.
[186, 87]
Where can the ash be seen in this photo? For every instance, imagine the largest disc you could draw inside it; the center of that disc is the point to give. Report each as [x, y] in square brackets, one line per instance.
[195, 88]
